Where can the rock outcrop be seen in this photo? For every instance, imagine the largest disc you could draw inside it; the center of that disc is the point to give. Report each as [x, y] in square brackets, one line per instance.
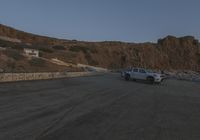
[168, 53]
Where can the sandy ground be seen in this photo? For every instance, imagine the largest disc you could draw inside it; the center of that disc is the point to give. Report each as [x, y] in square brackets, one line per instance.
[99, 108]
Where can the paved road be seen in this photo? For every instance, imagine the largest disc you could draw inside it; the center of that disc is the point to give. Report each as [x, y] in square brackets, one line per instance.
[99, 108]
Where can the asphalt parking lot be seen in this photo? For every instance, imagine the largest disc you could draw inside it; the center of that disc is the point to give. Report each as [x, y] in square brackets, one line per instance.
[102, 107]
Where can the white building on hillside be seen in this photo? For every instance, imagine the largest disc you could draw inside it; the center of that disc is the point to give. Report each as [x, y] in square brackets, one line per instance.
[31, 52]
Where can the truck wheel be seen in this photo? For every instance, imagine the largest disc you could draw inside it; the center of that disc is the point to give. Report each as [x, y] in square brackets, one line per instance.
[127, 77]
[150, 79]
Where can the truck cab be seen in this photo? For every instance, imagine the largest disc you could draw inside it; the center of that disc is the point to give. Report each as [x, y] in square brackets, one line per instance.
[143, 74]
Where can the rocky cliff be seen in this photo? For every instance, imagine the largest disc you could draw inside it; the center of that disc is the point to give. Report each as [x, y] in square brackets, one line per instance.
[168, 53]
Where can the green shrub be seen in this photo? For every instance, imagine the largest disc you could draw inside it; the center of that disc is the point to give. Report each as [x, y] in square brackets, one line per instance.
[47, 50]
[6, 44]
[84, 49]
[37, 62]
[17, 47]
[11, 65]
[59, 47]
[13, 54]
[78, 49]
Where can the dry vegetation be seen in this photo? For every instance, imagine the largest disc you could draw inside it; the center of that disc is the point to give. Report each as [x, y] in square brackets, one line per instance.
[167, 53]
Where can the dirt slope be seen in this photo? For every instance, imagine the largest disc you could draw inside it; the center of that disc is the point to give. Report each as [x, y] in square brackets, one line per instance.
[167, 53]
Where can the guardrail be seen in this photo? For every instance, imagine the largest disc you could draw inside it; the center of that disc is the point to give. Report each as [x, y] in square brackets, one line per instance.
[9, 77]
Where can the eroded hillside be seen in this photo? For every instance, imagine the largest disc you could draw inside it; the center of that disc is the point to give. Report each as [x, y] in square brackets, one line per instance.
[167, 53]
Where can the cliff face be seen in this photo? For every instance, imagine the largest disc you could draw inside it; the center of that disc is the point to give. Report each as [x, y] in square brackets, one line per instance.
[167, 53]
[182, 53]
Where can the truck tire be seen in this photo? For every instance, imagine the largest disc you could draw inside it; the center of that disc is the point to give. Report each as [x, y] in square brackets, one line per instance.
[150, 79]
[127, 77]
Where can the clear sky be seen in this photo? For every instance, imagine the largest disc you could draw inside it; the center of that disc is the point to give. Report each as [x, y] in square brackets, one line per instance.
[99, 20]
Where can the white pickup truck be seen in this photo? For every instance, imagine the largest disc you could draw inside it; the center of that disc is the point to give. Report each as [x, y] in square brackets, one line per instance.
[143, 74]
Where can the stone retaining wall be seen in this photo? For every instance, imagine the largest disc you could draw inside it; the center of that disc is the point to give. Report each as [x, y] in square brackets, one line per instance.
[9, 77]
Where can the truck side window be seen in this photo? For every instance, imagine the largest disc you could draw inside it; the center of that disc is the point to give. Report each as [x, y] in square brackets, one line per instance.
[142, 71]
[135, 70]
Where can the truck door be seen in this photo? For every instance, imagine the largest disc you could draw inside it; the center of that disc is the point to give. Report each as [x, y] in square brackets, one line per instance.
[134, 73]
[142, 74]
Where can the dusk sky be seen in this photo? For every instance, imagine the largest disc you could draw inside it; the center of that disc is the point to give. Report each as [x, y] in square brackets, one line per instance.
[99, 20]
